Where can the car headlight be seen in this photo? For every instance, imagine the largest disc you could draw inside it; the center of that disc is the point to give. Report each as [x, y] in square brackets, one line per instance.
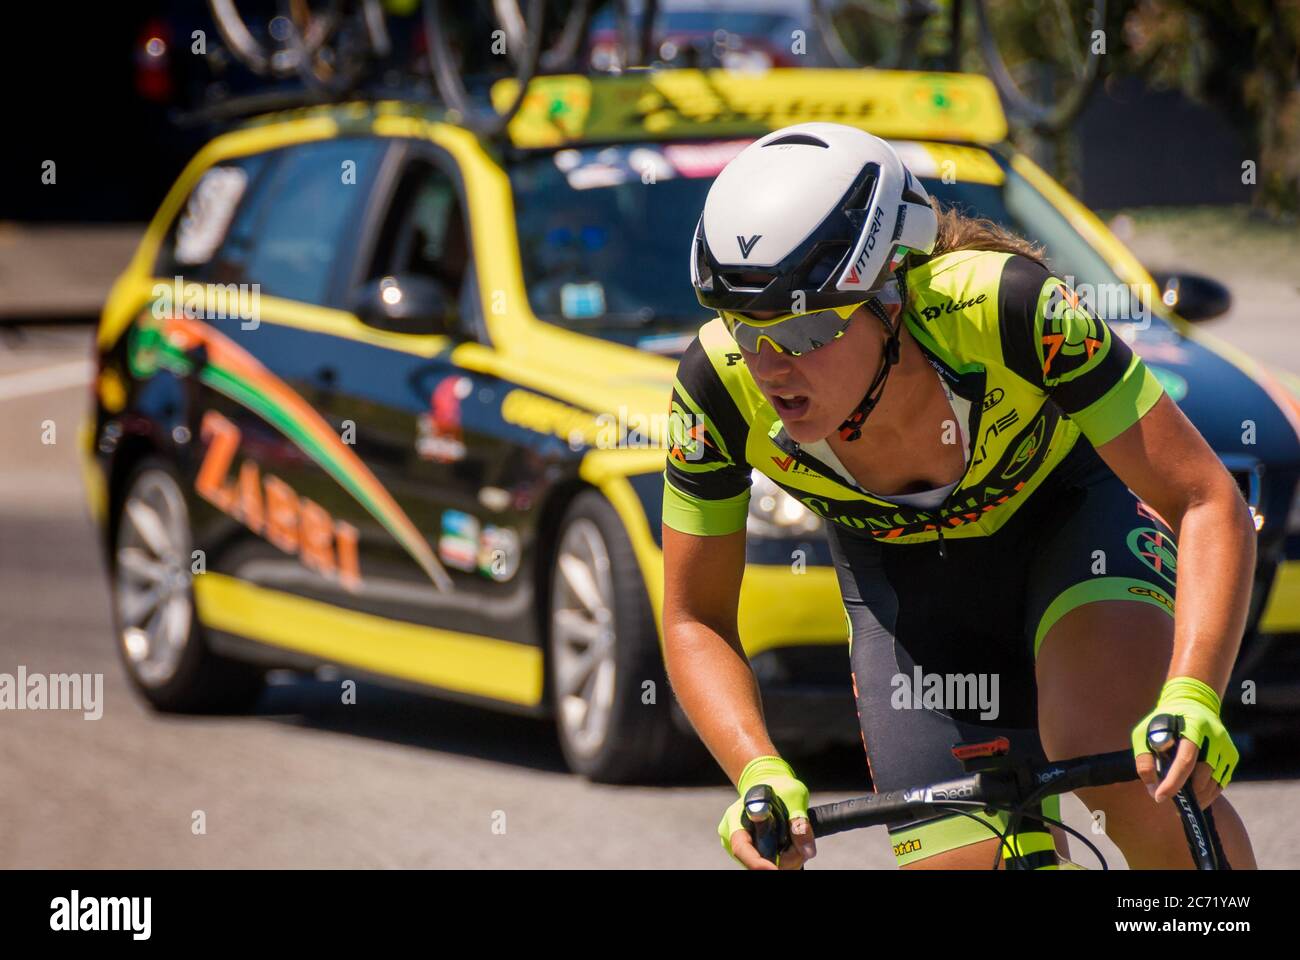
[774, 513]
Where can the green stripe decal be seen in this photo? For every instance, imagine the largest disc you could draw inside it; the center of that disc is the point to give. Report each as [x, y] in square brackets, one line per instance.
[1101, 588]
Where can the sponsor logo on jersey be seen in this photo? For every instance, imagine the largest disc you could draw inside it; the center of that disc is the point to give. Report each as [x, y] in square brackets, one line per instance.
[1002, 423]
[788, 463]
[1028, 449]
[903, 847]
[1154, 594]
[688, 435]
[1157, 550]
[892, 522]
[1073, 339]
[952, 306]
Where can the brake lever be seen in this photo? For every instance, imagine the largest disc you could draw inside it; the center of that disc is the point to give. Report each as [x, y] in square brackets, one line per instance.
[767, 821]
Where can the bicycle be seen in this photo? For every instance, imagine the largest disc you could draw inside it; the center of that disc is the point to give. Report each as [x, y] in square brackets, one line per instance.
[332, 44]
[328, 46]
[994, 783]
[893, 34]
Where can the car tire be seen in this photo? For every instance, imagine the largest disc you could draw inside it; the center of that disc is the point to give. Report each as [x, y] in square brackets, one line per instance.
[159, 637]
[604, 660]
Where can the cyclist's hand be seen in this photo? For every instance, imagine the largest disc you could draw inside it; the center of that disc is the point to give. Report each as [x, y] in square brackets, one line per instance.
[801, 850]
[776, 773]
[1203, 733]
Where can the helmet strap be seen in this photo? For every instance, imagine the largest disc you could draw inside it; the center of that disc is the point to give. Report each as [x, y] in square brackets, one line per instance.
[851, 428]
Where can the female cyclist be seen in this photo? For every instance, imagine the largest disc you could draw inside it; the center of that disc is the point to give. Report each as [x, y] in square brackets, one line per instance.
[1002, 483]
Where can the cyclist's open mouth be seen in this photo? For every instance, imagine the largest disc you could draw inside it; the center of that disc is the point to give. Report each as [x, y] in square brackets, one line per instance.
[790, 406]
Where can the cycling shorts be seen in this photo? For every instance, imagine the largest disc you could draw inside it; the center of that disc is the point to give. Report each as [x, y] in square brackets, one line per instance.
[943, 649]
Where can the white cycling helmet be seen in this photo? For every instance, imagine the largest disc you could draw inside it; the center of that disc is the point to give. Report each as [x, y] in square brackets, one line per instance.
[822, 208]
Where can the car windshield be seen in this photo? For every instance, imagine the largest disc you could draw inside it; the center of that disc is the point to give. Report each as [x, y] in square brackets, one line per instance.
[605, 232]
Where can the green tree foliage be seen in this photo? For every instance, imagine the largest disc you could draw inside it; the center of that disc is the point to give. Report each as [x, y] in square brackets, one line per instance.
[1242, 57]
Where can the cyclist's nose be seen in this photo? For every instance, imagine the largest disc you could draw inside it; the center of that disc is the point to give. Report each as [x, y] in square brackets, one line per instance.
[767, 363]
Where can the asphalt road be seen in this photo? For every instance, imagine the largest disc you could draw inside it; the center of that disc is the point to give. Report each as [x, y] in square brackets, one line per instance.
[395, 781]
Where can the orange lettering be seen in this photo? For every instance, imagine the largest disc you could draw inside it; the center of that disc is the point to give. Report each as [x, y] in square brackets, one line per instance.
[250, 496]
[223, 441]
[317, 538]
[281, 514]
[345, 535]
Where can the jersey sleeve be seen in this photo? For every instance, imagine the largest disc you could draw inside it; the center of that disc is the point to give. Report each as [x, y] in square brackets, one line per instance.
[1052, 339]
[707, 478]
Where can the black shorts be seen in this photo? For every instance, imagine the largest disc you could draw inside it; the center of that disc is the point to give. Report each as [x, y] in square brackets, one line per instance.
[943, 650]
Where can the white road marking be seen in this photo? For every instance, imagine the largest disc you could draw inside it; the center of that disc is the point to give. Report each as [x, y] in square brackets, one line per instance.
[46, 379]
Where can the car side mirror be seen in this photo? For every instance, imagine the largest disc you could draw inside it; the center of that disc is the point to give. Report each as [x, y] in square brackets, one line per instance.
[1192, 296]
[406, 303]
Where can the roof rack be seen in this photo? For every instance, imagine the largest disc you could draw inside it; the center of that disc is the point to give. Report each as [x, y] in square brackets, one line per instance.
[249, 105]
[336, 49]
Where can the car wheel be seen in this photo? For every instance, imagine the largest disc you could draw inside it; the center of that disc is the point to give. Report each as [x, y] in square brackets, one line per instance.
[612, 701]
[159, 636]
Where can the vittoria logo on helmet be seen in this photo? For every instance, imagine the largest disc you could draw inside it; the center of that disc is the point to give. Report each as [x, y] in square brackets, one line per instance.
[870, 245]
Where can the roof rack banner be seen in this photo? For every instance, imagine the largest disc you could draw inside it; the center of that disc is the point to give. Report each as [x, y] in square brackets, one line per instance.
[688, 103]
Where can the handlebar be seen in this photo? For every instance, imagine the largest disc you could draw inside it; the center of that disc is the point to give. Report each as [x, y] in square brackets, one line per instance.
[1001, 783]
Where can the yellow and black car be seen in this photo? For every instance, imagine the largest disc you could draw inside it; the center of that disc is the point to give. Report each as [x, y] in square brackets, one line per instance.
[380, 393]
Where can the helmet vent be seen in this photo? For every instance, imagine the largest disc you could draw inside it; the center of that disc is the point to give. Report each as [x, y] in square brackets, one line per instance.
[748, 279]
[912, 193]
[864, 186]
[826, 262]
[801, 138]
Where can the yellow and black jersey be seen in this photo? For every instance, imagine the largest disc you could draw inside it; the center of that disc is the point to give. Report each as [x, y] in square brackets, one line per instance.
[1036, 365]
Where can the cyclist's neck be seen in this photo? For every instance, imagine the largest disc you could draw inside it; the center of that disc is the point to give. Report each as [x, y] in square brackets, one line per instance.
[895, 440]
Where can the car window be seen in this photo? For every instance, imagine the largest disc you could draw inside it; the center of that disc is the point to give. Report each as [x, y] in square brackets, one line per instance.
[424, 229]
[295, 232]
[604, 234]
[424, 234]
[222, 194]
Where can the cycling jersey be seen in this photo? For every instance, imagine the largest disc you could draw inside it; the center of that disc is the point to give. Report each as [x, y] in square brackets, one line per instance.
[1036, 365]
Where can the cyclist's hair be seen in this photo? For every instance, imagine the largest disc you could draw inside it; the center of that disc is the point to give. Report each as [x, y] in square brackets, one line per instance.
[960, 232]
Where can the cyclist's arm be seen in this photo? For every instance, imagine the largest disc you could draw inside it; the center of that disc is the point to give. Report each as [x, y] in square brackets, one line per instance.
[706, 503]
[706, 664]
[1168, 464]
[1060, 346]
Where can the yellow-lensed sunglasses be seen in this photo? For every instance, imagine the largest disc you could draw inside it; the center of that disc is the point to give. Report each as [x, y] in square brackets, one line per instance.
[792, 333]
